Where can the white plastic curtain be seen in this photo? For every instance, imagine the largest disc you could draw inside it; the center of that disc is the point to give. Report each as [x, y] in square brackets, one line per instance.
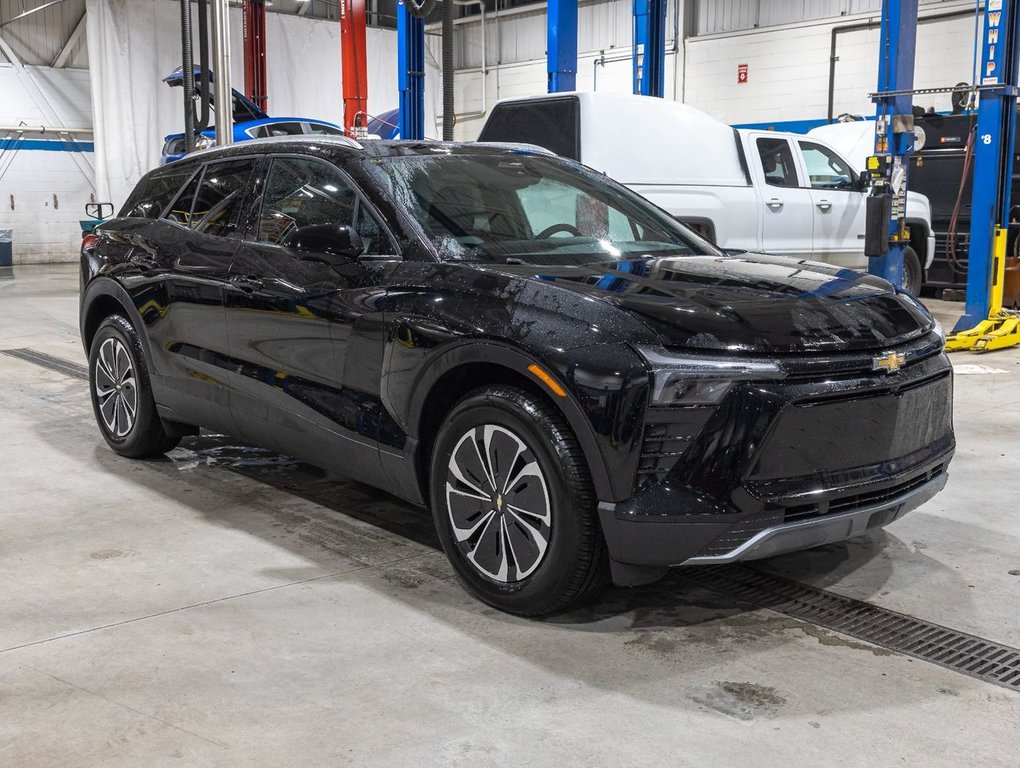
[134, 44]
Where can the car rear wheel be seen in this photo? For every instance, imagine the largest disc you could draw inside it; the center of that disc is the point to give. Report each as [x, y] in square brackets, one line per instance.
[121, 392]
[513, 503]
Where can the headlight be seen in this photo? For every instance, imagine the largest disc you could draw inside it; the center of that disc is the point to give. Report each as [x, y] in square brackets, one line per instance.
[204, 142]
[940, 331]
[692, 380]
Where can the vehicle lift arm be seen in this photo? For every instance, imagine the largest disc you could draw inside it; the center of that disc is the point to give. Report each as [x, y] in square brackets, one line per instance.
[561, 45]
[985, 325]
[256, 86]
[649, 54]
[887, 237]
[354, 66]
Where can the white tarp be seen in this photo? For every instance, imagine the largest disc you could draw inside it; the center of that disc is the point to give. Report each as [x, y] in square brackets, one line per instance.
[134, 44]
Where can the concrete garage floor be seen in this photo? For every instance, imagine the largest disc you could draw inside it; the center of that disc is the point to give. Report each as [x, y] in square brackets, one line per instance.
[229, 607]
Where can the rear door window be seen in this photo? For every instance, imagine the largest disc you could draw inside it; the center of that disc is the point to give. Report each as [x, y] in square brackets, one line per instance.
[319, 129]
[306, 191]
[220, 197]
[180, 209]
[777, 162]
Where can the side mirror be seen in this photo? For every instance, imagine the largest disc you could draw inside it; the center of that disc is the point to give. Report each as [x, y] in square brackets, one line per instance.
[863, 181]
[99, 210]
[319, 242]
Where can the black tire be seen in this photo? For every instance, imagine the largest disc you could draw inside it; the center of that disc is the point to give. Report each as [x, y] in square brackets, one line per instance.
[574, 563]
[913, 274]
[118, 379]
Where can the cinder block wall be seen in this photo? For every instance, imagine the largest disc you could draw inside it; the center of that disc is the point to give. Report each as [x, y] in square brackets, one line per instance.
[42, 191]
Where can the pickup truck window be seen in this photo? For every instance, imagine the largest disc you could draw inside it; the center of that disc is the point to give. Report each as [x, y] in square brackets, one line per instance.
[825, 168]
[777, 162]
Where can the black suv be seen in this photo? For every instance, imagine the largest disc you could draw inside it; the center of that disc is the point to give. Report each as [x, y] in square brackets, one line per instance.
[576, 384]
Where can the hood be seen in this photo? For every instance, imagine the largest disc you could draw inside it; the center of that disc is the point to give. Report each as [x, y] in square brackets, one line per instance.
[751, 303]
[243, 107]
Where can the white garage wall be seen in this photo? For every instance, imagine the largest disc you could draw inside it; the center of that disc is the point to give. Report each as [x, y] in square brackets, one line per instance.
[42, 190]
[788, 70]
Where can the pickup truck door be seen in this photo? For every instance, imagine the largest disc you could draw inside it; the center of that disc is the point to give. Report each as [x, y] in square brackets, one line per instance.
[839, 206]
[787, 213]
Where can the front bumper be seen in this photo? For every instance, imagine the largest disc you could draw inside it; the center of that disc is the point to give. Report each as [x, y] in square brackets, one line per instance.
[789, 466]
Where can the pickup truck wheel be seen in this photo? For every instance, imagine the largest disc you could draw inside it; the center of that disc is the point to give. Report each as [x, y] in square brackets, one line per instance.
[513, 504]
[913, 275]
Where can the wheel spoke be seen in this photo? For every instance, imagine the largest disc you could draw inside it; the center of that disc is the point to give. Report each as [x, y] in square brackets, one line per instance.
[458, 472]
[108, 409]
[484, 461]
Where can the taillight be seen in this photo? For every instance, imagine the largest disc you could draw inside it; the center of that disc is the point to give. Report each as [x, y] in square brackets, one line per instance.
[89, 241]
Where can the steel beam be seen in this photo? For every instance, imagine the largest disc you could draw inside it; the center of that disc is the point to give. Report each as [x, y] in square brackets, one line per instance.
[561, 45]
[649, 53]
[894, 135]
[411, 73]
[993, 156]
[354, 62]
[256, 86]
[61, 59]
[222, 93]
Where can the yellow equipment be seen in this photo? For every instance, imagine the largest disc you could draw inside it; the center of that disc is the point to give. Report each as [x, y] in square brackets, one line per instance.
[1002, 328]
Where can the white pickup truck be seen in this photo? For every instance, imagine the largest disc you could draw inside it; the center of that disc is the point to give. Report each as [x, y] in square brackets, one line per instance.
[748, 190]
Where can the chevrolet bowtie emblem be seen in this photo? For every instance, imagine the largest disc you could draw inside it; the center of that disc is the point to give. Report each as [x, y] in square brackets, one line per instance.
[889, 363]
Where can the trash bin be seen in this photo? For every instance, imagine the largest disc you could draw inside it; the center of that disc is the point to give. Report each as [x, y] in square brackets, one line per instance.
[6, 247]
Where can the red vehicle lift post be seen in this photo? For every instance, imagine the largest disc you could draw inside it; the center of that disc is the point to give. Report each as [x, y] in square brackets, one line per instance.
[255, 86]
[354, 65]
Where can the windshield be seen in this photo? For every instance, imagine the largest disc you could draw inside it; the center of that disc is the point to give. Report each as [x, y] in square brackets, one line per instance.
[520, 208]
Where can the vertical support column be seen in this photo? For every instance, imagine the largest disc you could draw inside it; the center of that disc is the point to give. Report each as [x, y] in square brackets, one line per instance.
[650, 47]
[561, 45]
[222, 93]
[255, 80]
[411, 73]
[993, 157]
[354, 63]
[894, 128]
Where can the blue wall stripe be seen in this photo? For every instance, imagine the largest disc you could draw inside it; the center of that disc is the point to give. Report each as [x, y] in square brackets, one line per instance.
[46, 145]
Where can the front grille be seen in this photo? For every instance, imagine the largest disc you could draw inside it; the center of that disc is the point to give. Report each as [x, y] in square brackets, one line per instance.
[837, 504]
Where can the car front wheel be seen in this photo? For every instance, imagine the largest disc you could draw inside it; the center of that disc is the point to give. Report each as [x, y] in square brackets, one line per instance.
[121, 393]
[513, 503]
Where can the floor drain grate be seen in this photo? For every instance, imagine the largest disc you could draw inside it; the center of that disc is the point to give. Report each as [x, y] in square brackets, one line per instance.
[66, 367]
[970, 655]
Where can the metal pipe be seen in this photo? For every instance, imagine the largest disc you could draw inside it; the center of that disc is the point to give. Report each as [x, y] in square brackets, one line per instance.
[204, 84]
[485, 62]
[448, 94]
[221, 72]
[29, 12]
[871, 24]
[43, 129]
[188, 73]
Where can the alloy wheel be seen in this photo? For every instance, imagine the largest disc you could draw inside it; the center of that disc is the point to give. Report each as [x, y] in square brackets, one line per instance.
[116, 389]
[498, 503]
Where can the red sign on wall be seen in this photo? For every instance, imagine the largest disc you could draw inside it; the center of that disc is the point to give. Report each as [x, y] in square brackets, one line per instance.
[741, 74]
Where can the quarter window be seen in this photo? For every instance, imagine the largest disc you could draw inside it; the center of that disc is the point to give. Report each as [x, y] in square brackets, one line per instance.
[777, 162]
[321, 129]
[217, 207]
[825, 168]
[151, 197]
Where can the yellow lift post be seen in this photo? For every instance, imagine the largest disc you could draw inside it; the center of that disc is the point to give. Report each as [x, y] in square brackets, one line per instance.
[1002, 328]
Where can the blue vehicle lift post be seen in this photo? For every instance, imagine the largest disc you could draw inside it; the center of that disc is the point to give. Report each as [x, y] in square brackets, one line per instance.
[985, 325]
[411, 73]
[561, 45]
[887, 236]
[649, 47]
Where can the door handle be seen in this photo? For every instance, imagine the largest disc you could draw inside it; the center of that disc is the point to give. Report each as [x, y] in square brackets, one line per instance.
[246, 283]
[775, 203]
[824, 206]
